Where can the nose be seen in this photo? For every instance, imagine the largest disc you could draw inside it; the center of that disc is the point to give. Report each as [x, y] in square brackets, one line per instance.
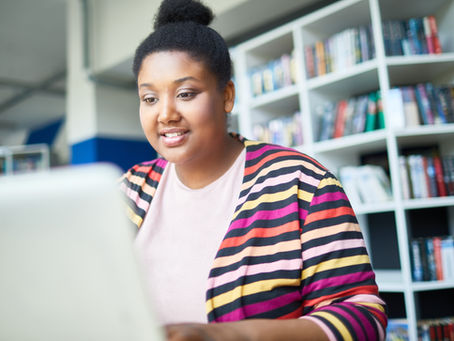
[168, 111]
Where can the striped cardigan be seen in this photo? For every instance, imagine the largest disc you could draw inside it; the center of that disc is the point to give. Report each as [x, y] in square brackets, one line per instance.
[293, 248]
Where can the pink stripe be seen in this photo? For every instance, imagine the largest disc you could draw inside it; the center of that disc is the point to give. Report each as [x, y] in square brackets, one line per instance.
[338, 280]
[303, 214]
[265, 148]
[264, 215]
[249, 270]
[259, 307]
[141, 203]
[329, 197]
[333, 246]
[278, 180]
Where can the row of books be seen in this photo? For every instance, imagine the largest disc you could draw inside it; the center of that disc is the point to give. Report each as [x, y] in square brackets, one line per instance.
[421, 104]
[426, 175]
[350, 116]
[432, 258]
[286, 131]
[441, 329]
[365, 184]
[411, 37]
[276, 74]
[342, 50]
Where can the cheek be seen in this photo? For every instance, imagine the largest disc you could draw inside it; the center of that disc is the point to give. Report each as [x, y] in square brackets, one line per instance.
[146, 120]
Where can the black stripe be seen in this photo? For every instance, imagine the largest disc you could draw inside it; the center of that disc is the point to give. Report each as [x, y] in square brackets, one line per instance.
[337, 272]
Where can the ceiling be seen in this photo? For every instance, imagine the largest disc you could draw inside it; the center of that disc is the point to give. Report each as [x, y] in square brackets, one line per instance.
[32, 62]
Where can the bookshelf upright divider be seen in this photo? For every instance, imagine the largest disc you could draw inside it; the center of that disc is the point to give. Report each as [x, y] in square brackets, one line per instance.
[341, 55]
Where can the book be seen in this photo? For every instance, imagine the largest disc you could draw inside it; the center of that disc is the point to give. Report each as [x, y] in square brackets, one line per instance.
[395, 108]
[439, 176]
[371, 116]
[417, 268]
[437, 257]
[412, 116]
[430, 253]
[434, 34]
[447, 257]
[340, 119]
[404, 178]
[424, 104]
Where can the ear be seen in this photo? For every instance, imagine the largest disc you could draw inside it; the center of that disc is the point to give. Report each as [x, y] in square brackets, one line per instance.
[229, 96]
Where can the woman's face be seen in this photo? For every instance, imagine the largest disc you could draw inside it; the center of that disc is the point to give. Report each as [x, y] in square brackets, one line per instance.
[182, 109]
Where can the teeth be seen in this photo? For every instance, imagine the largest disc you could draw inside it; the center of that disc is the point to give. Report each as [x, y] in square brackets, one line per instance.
[173, 134]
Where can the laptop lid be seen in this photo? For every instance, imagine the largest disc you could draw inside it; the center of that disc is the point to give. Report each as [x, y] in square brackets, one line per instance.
[67, 264]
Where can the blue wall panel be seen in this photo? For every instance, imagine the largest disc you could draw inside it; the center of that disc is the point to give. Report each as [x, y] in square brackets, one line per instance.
[124, 153]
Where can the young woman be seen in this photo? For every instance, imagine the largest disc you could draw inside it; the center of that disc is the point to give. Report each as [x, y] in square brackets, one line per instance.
[256, 237]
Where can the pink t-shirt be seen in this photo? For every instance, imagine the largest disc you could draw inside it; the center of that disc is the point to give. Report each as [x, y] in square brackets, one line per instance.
[179, 240]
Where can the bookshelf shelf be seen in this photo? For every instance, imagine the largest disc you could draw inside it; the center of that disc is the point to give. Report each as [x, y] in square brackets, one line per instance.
[272, 97]
[413, 204]
[358, 77]
[321, 87]
[364, 209]
[370, 141]
[432, 285]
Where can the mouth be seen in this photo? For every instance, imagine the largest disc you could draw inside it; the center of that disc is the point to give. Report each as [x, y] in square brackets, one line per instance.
[173, 137]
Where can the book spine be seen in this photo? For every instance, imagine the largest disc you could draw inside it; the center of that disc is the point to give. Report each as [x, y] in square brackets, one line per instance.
[417, 261]
[371, 116]
[437, 256]
[428, 35]
[439, 176]
[434, 34]
[310, 65]
[431, 259]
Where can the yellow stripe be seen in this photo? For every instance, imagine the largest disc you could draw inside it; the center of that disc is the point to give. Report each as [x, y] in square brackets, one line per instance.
[248, 289]
[273, 197]
[336, 323]
[373, 305]
[304, 195]
[334, 264]
[329, 182]
[136, 219]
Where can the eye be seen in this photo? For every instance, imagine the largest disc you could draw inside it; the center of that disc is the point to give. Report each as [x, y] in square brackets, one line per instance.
[187, 95]
[150, 99]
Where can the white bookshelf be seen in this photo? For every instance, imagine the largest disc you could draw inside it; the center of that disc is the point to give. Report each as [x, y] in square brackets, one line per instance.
[23, 159]
[380, 73]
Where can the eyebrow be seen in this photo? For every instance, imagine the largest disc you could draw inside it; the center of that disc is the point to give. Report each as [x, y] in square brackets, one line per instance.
[179, 80]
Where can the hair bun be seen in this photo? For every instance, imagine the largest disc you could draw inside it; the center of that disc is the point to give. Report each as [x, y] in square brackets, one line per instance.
[173, 11]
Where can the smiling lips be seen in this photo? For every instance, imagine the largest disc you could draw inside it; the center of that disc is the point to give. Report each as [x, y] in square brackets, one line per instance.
[173, 137]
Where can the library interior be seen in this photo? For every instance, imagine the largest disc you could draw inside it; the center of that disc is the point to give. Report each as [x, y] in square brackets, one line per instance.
[365, 87]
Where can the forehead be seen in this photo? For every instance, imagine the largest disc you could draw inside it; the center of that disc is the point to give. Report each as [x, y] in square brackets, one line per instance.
[171, 64]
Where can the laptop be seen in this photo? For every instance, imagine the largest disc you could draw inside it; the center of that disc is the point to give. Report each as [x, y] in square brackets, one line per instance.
[68, 270]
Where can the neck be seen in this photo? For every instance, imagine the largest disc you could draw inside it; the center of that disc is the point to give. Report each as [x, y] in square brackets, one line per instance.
[203, 171]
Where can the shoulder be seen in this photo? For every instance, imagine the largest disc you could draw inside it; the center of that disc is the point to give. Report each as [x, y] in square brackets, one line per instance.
[137, 176]
[264, 157]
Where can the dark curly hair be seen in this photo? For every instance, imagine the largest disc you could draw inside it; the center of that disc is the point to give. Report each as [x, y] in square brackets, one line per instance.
[182, 25]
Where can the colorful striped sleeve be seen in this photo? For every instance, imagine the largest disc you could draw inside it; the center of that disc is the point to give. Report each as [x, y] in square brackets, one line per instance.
[139, 184]
[338, 285]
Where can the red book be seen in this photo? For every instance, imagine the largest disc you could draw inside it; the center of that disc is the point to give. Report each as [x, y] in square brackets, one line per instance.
[434, 32]
[437, 254]
[428, 35]
[339, 124]
[439, 176]
[310, 65]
